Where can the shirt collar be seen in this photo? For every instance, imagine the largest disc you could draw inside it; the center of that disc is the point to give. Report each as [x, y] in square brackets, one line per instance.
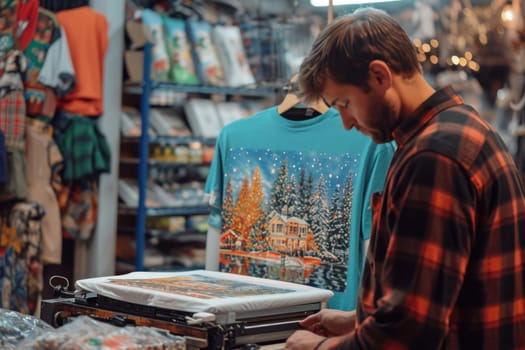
[440, 100]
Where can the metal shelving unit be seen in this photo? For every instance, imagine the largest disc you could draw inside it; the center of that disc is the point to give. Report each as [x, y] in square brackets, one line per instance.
[145, 91]
[160, 162]
[166, 211]
[253, 91]
[180, 139]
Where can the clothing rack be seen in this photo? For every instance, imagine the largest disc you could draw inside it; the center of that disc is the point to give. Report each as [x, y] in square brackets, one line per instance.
[60, 5]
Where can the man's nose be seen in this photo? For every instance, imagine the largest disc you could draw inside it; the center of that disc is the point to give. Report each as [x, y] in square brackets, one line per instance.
[348, 120]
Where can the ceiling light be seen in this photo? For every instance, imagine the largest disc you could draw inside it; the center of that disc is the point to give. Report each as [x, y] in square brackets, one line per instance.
[319, 3]
[507, 14]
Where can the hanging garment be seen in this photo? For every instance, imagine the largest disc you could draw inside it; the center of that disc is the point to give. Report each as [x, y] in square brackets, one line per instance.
[12, 119]
[87, 36]
[21, 279]
[15, 187]
[293, 195]
[83, 146]
[79, 209]
[48, 40]
[12, 124]
[7, 29]
[3, 161]
[57, 72]
[12, 108]
[12, 104]
[42, 155]
[26, 21]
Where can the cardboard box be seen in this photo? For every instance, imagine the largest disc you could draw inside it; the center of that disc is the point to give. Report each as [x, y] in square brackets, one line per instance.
[138, 36]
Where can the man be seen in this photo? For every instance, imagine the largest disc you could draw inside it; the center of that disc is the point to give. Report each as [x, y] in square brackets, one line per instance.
[445, 265]
[281, 188]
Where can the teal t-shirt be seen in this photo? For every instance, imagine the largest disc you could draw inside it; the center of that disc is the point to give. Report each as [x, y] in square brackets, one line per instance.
[291, 200]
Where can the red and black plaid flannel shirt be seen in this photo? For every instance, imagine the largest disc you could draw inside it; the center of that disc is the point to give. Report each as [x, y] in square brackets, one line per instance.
[446, 264]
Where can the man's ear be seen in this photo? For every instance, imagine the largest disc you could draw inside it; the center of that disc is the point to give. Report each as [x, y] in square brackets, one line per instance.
[380, 74]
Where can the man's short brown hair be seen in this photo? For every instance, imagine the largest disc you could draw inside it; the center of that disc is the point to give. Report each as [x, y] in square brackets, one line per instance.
[345, 48]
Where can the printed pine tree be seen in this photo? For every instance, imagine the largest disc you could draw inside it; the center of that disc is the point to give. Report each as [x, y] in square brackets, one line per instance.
[319, 214]
[264, 242]
[346, 211]
[227, 207]
[251, 244]
[248, 206]
[308, 191]
[238, 221]
[279, 196]
[259, 233]
[304, 192]
[254, 199]
[338, 232]
[292, 200]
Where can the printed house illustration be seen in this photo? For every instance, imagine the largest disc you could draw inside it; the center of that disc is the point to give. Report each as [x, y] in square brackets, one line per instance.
[287, 233]
[231, 240]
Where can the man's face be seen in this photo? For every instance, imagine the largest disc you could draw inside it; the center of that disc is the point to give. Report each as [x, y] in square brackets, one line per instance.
[373, 114]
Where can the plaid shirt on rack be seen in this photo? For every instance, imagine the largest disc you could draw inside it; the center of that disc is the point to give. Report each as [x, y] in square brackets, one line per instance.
[12, 103]
[12, 119]
[446, 264]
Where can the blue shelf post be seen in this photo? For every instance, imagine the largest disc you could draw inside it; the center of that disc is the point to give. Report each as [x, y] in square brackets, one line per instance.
[140, 234]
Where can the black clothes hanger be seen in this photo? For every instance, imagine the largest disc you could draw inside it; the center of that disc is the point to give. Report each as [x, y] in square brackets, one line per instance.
[186, 9]
[300, 113]
[234, 7]
[60, 5]
[293, 108]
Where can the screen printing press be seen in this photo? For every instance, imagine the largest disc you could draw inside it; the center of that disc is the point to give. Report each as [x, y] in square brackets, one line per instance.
[212, 310]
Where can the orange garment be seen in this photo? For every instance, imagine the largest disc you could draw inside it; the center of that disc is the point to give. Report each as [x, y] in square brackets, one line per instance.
[87, 38]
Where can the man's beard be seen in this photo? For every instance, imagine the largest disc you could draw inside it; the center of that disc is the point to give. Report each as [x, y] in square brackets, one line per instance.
[382, 113]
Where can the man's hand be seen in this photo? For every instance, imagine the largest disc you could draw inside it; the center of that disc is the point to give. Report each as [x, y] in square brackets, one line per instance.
[330, 323]
[302, 340]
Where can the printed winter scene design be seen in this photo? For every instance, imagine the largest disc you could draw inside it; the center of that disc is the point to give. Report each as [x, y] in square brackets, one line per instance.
[201, 287]
[288, 222]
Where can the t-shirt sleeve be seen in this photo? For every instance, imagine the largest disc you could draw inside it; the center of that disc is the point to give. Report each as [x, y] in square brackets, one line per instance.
[214, 186]
[58, 72]
[376, 174]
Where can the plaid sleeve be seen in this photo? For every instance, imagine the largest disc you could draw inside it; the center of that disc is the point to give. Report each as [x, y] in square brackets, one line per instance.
[425, 260]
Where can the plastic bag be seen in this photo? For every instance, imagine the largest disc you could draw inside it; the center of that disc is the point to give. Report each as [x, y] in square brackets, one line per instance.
[15, 326]
[86, 333]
